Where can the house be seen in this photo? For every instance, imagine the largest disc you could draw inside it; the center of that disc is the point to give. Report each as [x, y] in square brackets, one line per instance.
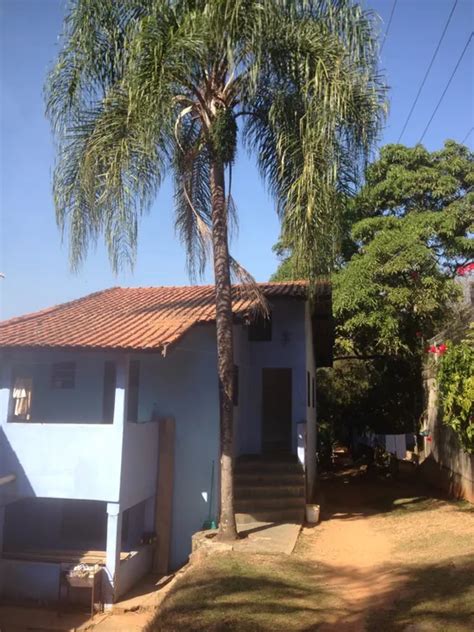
[83, 388]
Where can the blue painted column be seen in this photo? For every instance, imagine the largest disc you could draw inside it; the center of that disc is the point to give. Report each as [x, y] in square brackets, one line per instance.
[5, 383]
[2, 524]
[114, 514]
[112, 564]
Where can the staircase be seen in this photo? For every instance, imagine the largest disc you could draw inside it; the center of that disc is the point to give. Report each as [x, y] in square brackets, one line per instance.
[269, 489]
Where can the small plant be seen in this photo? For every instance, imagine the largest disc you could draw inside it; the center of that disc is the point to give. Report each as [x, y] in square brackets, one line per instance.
[456, 389]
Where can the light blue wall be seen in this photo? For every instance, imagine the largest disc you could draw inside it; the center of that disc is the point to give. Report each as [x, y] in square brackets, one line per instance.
[37, 523]
[70, 459]
[140, 459]
[118, 463]
[81, 404]
[29, 580]
[287, 349]
[184, 385]
[311, 428]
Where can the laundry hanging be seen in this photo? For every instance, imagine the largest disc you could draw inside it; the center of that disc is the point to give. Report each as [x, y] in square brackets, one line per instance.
[22, 390]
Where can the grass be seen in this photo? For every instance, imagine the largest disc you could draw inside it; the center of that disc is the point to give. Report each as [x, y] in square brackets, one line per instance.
[246, 593]
[424, 581]
[436, 598]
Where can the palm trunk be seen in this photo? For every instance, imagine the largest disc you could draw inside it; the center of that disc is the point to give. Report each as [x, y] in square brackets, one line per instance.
[225, 353]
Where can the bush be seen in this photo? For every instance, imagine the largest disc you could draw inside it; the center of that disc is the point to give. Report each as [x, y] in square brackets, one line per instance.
[456, 389]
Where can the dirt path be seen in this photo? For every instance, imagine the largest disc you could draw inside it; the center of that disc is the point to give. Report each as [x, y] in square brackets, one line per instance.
[387, 557]
[368, 544]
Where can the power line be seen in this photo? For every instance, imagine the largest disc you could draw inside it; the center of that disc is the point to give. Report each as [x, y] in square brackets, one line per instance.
[467, 136]
[428, 70]
[447, 86]
[388, 25]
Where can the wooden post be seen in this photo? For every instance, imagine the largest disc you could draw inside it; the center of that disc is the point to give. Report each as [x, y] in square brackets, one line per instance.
[164, 495]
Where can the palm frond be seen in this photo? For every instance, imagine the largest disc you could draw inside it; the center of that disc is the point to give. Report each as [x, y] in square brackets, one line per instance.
[248, 290]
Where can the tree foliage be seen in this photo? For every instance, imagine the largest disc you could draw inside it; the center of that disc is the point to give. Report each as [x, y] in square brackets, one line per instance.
[143, 88]
[456, 390]
[417, 213]
[406, 231]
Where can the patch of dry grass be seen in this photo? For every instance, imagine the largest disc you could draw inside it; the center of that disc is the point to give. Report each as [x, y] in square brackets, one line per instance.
[410, 568]
[247, 593]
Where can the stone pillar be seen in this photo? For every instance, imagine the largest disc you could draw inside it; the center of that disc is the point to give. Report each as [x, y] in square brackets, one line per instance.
[112, 564]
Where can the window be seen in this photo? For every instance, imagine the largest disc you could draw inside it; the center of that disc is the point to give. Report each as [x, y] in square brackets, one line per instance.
[308, 389]
[21, 398]
[63, 375]
[260, 329]
[133, 384]
[235, 386]
[108, 402]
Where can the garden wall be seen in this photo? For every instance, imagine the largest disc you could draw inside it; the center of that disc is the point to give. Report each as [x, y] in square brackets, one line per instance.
[446, 465]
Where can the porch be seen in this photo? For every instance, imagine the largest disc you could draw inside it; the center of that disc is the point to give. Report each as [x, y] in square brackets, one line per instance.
[43, 539]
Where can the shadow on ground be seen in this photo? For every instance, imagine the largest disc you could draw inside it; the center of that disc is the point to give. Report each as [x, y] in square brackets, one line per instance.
[422, 590]
[251, 595]
[352, 494]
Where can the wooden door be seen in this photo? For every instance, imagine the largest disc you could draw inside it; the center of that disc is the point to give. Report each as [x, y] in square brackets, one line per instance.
[276, 410]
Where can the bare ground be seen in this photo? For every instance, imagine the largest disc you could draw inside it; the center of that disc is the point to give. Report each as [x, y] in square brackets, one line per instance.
[387, 556]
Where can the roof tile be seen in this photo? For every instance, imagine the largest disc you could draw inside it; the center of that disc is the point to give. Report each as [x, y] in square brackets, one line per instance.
[128, 318]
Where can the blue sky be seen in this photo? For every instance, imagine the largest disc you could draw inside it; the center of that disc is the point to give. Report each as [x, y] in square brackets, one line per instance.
[32, 256]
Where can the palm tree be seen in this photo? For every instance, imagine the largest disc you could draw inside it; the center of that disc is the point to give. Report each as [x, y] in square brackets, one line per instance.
[143, 88]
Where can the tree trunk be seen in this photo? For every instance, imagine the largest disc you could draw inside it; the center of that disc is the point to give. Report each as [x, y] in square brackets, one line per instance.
[225, 353]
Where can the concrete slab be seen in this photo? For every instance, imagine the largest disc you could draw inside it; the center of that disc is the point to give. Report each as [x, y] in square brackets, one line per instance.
[268, 537]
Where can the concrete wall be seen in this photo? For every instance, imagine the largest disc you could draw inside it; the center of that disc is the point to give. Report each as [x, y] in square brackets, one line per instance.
[117, 462]
[184, 385]
[81, 404]
[311, 431]
[445, 465]
[133, 569]
[29, 580]
[51, 523]
[139, 463]
[287, 349]
[65, 460]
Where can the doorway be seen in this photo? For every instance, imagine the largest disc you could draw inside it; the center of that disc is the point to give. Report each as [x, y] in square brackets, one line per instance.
[276, 410]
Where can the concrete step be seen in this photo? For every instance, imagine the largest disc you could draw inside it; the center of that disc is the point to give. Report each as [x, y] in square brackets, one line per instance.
[269, 491]
[275, 467]
[247, 505]
[268, 479]
[292, 515]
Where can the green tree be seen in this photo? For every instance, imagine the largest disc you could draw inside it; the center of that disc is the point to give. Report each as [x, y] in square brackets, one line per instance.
[405, 232]
[417, 214]
[141, 89]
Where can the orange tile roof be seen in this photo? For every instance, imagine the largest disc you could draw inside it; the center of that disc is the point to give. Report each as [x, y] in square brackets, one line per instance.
[128, 318]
